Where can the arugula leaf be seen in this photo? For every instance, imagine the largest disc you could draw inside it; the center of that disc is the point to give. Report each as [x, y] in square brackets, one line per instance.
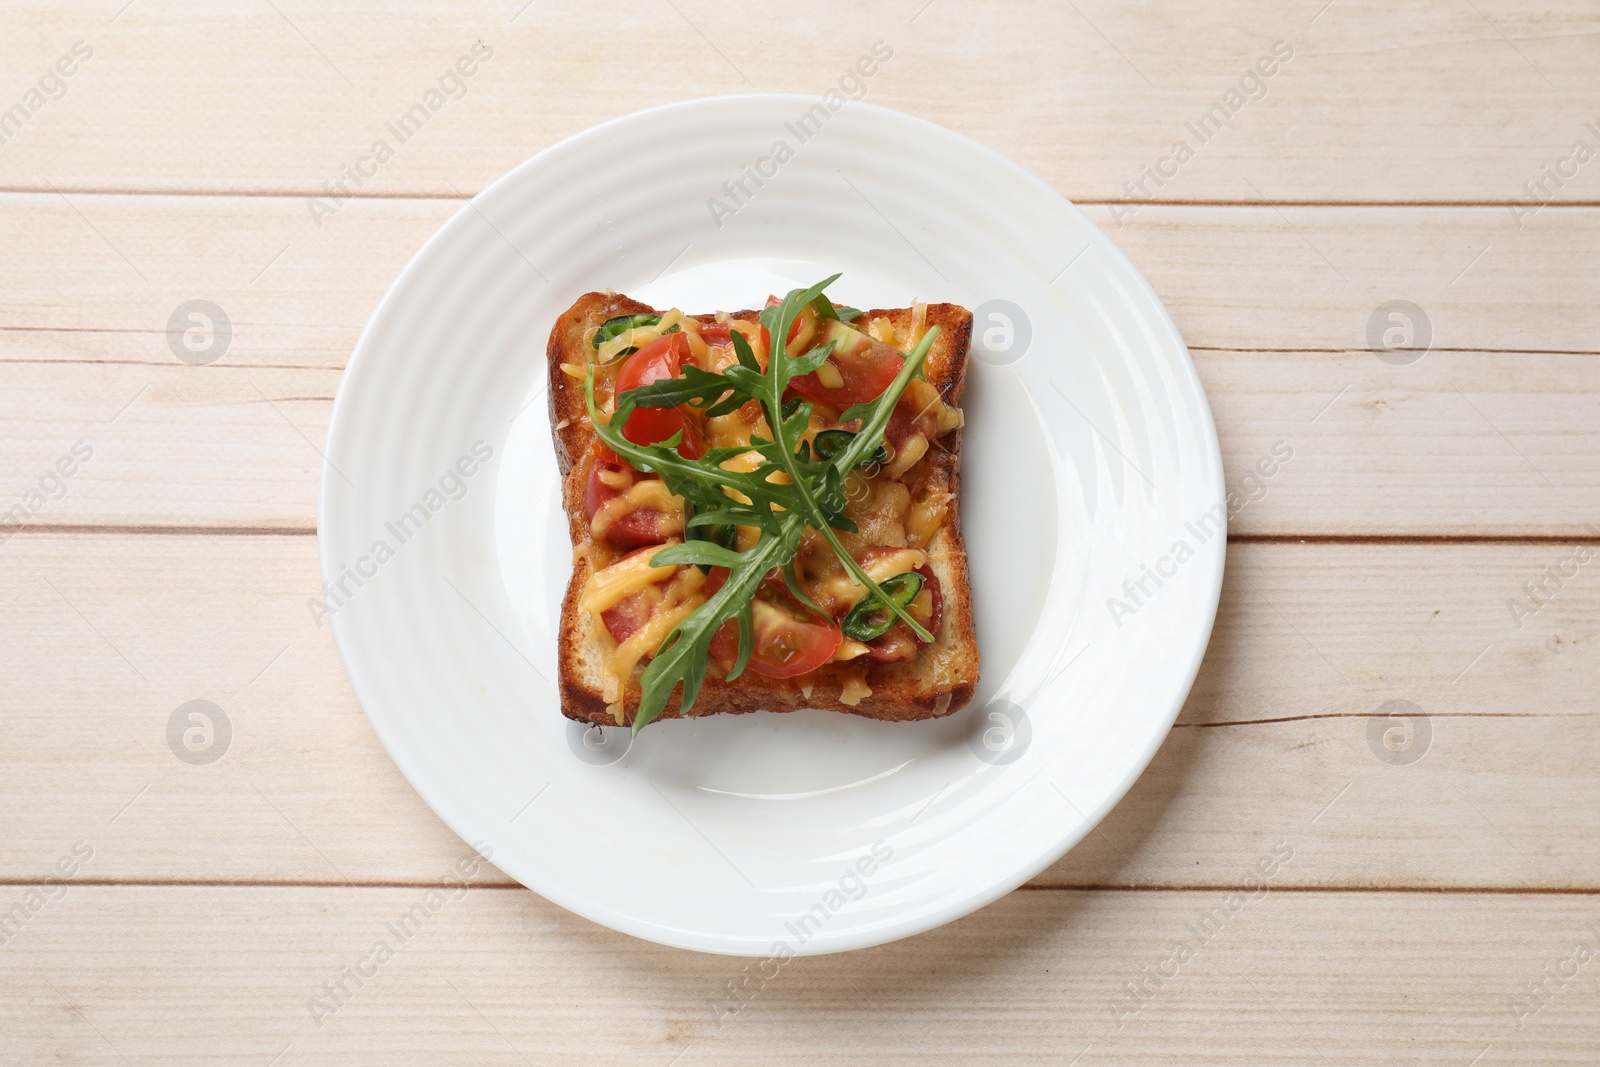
[681, 659]
[874, 414]
[725, 517]
[707, 552]
[701, 481]
[695, 385]
[777, 318]
[829, 310]
[741, 349]
[810, 361]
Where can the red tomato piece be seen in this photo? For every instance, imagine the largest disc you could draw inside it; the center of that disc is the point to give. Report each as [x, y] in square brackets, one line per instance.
[597, 490]
[636, 529]
[785, 646]
[660, 359]
[627, 615]
[603, 453]
[867, 367]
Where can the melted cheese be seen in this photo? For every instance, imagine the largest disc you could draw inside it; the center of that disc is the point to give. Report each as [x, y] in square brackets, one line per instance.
[699, 351]
[912, 449]
[680, 599]
[886, 566]
[833, 587]
[622, 579]
[926, 516]
[806, 330]
[877, 506]
[637, 337]
[829, 377]
[732, 430]
[651, 493]
[921, 393]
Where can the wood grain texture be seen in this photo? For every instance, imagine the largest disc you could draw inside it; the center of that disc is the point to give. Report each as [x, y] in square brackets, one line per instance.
[1461, 443]
[111, 633]
[1249, 277]
[1474, 442]
[1452, 102]
[195, 975]
[1381, 162]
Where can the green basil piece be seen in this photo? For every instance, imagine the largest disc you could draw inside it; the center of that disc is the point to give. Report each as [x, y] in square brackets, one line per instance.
[871, 619]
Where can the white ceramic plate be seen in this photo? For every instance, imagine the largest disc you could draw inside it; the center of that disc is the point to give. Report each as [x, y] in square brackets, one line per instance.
[1089, 456]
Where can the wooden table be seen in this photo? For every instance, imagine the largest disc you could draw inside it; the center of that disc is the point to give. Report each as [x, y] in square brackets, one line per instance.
[1436, 896]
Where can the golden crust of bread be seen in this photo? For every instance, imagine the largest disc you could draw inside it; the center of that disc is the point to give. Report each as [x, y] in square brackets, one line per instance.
[942, 678]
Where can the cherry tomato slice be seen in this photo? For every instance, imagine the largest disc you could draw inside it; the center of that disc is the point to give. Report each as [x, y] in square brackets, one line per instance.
[785, 647]
[867, 367]
[660, 359]
[648, 426]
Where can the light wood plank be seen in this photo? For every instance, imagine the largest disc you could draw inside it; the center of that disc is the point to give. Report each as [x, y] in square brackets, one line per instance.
[1312, 277]
[1460, 443]
[110, 634]
[178, 976]
[97, 277]
[1452, 102]
[1493, 828]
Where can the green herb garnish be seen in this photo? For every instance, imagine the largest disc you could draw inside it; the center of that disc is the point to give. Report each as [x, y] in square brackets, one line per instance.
[812, 496]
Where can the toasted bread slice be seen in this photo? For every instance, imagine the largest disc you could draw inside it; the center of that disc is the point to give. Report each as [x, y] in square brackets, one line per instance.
[942, 677]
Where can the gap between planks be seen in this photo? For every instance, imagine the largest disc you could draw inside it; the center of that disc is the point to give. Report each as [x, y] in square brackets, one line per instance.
[73, 361]
[1142, 887]
[292, 194]
[68, 529]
